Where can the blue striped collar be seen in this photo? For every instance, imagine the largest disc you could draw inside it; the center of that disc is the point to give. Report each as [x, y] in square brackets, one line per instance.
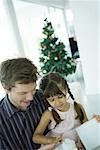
[9, 107]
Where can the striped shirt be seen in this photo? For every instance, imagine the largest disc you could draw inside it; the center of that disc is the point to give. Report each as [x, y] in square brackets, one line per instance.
[17, 127]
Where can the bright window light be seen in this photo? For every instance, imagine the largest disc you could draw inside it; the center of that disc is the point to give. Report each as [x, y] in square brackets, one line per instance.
[69, 15]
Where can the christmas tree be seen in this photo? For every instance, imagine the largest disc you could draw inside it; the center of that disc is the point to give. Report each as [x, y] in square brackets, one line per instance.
[54, 57]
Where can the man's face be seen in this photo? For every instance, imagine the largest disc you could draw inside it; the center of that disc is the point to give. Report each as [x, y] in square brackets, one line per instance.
[22, 94]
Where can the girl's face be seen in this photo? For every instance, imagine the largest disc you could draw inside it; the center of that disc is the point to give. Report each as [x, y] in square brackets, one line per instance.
[58, 102]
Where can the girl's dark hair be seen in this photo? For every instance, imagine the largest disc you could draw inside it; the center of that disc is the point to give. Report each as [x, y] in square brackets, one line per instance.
[54, 84]
[78, 109]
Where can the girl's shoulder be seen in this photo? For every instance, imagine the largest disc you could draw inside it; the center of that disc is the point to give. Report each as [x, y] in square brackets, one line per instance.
[48, 114]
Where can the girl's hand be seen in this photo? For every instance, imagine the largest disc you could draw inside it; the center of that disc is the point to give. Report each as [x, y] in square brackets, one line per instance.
[97, 117]
[52, 146]
[59, 138]
[48, 147]
[55, 139]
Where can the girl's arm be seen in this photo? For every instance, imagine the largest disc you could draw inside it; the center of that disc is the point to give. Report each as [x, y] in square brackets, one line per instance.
[38, 136]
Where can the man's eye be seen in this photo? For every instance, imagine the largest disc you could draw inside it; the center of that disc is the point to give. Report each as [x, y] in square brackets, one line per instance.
[22, 93]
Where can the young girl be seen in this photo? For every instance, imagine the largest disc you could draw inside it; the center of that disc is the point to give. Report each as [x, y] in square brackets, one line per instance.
[61, 116]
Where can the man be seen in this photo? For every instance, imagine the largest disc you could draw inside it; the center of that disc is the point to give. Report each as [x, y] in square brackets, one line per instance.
[22, 107]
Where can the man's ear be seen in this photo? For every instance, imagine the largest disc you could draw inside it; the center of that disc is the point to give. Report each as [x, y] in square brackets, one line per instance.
[5, 87]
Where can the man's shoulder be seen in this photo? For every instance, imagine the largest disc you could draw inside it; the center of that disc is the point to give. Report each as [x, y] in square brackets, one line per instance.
[38, 95]
[2, 110]
[1, 103]
[38, 98]
[38, 92]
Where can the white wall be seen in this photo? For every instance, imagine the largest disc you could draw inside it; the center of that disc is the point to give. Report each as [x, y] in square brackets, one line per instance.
[11, 44]
[87, 22]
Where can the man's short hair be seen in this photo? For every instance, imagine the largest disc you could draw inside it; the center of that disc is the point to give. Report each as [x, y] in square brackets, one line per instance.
[20, 70]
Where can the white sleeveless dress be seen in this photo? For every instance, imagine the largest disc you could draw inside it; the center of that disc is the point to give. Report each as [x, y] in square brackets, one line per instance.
[67, 128]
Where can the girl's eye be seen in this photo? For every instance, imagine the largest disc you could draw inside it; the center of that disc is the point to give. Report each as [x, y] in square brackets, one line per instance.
[51, 100]
[60, 96]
